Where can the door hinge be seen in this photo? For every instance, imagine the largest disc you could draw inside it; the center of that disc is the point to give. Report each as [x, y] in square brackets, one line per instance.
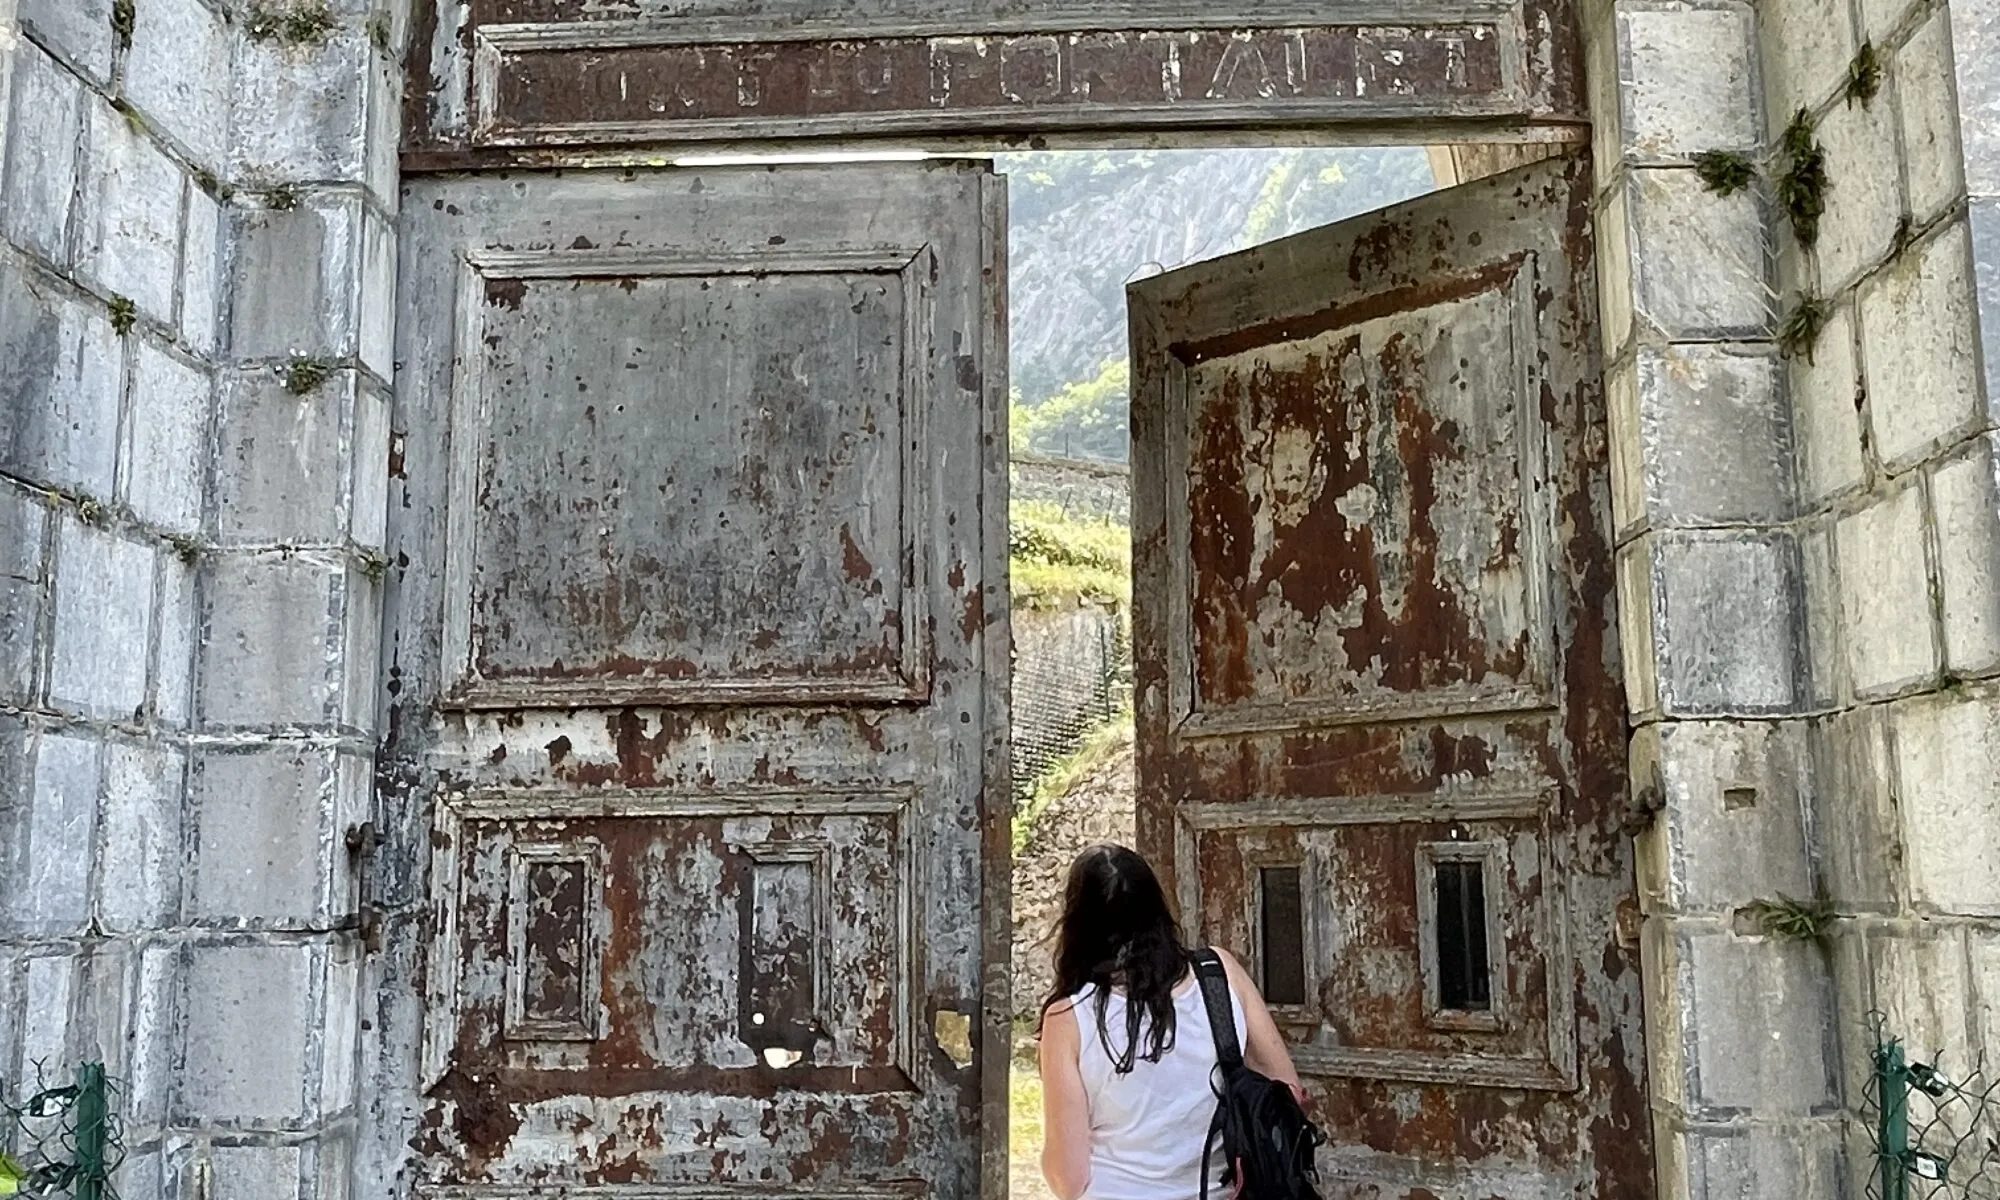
[1644, 805]
[362, 839]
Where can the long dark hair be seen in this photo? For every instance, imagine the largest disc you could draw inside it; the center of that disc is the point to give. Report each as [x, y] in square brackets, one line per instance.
[1117, 931]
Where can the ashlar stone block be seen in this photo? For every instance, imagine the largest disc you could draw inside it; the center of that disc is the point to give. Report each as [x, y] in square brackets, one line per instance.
[1685, 77]
[1636, 626]
[177, 73]
[1794, 1159]
[1727, 622]
[1807, 45]
[245, 1047]
[1826, 412]
[154, 1012]
[23, 525]
[65, 368]
[129, 242]
[369, 526]
[51, 987]
[269, 656]
[1699, 260]
[1923, 989]
[1715, 436]
[80, 30]
[39, 176]
[1826, 658]
[1933, 157]
[1857, 828]
[1888, 629]
[301, 112]
[1734, 826]
[1920, 349]
[1864, 193]
[201, 269]
[1965, 507]
[1984, 957]
[264, 853]
[166, 450]
[284, 460]
[49, 851]
[255, 1172]
[295, 279]
[1948, 769]
[1611, 222]
[174, 648]
[141, 839]
[102, 634]
[1759, 1014]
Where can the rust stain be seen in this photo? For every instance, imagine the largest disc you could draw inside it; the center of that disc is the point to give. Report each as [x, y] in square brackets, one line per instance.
[1341, 486]
[506, 293]
[852, 561]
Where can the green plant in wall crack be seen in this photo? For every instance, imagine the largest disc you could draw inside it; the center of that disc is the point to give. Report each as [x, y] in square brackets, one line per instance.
[1802, 187]
[281, 198]
[187, 549]
[1724, 172]
[124, 18]
[1864, 75]
[304, 376]
[1799, 332]
[306, 23]
[1792, 920]
[124, 315]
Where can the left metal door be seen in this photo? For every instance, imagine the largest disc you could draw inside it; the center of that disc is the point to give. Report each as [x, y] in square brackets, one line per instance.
[697, 680]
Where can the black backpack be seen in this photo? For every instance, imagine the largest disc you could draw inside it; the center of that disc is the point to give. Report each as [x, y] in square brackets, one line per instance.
[1265, 1135]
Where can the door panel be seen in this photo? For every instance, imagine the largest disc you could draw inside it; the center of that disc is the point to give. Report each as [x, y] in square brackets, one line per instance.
[1381, 731]
[698, 679]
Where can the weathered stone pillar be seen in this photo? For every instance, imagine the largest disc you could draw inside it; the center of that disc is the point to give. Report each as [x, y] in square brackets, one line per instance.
[196, 307]
[1712, 603]
[1809, 539]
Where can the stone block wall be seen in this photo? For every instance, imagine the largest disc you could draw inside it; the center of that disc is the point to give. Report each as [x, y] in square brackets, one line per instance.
[1809, 530]
[196, 284]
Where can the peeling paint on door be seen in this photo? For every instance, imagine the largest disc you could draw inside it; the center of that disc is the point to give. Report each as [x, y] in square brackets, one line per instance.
[1381, 735]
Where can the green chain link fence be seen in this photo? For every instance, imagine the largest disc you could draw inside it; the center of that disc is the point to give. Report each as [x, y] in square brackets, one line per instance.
[62, 1140]
[1935, 1125]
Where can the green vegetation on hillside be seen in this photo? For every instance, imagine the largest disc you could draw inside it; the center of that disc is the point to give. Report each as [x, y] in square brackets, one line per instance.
[1058, 558]
[1083, 420]
[1083, 224]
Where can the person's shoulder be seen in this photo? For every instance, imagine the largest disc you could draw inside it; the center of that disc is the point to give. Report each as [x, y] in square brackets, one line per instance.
[1059, 1021]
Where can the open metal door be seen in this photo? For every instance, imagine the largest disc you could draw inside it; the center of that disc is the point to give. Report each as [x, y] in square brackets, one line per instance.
[1381, 729]
[697, 684]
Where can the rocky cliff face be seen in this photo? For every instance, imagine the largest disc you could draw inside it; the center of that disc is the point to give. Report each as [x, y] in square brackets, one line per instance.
[1086, 223]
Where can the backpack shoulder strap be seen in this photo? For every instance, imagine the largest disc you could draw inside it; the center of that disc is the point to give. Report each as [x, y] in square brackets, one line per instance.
[1214, 981]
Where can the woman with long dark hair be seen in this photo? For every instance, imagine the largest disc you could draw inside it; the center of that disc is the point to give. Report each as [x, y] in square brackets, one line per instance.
[1126, 1049]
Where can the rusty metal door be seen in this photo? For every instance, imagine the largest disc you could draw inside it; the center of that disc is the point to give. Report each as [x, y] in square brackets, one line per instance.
[698, 676]
[1382, 735]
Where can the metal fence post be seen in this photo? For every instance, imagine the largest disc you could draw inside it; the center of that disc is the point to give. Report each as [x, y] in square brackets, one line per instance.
[93, 1118]
[1892, 1132]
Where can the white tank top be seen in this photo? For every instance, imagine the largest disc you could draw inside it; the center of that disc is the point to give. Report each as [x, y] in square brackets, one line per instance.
[1147, 1127]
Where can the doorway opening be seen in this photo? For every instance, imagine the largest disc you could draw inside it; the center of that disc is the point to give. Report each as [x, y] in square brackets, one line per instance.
[1082, 225]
